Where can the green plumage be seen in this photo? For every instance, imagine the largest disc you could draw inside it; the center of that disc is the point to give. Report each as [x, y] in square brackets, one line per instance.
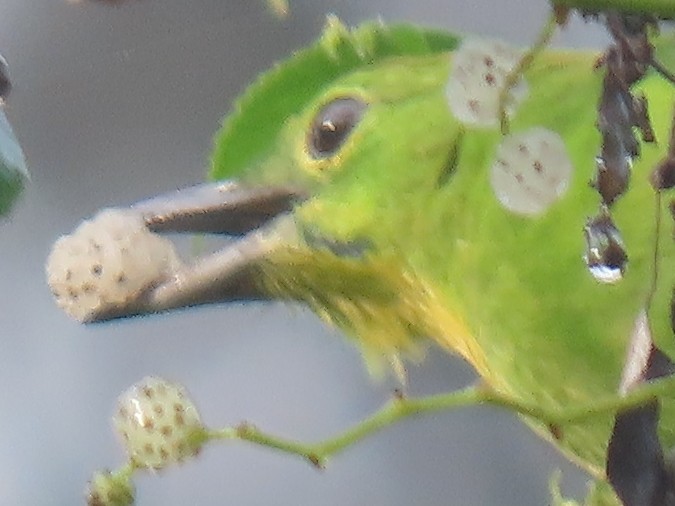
[435, 253]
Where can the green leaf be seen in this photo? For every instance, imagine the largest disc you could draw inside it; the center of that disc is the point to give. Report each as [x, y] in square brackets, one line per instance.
[13, 171]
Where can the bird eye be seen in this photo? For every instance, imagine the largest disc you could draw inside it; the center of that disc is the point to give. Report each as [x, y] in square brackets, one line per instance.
[332, 125]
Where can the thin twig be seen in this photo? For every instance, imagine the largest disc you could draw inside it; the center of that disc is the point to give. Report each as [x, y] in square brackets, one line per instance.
[401, 408]
[661, 8]
[543, 39]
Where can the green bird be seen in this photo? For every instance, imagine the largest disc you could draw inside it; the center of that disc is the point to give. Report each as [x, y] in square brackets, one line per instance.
[409, 185]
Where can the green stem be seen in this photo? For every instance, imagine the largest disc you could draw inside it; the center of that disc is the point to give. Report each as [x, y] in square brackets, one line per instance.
[126, 471]
[660, 8]
[250, 433]
[401, 408]
[395, 410]
[543, 39]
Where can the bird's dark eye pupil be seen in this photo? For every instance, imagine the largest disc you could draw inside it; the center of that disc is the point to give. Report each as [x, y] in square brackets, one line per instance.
[333, 124]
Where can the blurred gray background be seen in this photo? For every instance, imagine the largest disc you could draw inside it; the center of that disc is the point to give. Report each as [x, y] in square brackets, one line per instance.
[116, 103]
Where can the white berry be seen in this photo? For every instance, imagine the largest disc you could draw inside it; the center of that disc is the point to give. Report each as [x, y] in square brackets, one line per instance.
[532, 171]
[478, 75]
[158, 423]
[106, 262]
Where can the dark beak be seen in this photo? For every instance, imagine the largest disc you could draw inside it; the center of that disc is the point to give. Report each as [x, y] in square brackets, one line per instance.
[261, 219]
[224, 207]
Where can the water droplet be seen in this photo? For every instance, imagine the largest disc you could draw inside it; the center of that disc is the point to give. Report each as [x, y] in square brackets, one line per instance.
[605, 256]
[605, 274]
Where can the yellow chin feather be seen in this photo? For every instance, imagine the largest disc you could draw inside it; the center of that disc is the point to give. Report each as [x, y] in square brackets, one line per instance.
[376, 300]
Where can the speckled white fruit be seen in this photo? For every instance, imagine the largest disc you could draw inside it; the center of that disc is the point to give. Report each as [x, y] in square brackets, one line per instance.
[107, 489]
[532, 170]
[106, 262]
[158, 423]
[478, 74]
